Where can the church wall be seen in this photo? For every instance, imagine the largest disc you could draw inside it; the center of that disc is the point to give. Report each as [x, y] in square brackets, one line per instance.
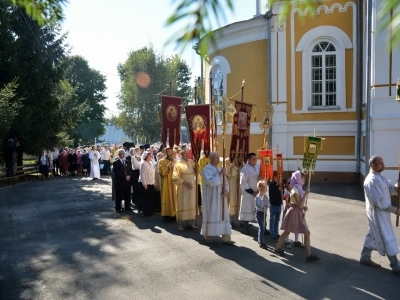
[385, 110]
[249, 62]
[341, 16]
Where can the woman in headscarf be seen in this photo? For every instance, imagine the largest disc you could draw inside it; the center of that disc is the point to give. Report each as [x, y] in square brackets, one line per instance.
[294, 220]
[94, 156]
[44, 164]
[147, 178]
[64, 163]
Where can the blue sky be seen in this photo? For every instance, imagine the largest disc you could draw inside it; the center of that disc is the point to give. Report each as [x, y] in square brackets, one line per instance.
[104, 32]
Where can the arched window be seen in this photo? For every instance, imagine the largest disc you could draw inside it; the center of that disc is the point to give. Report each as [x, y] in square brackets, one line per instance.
[323, 75]
[219, 69]
[218, 89]
[323, 79]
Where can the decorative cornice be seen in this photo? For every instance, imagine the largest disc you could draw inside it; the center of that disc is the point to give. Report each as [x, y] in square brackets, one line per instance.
[239, 33]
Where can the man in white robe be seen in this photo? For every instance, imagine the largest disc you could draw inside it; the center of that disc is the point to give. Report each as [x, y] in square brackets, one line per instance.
[380, 235]
[248, 184]
[94, 157]
[212, 196]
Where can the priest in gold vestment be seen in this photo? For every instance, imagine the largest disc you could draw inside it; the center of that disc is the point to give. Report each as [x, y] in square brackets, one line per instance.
[185, 180]
[168, 190]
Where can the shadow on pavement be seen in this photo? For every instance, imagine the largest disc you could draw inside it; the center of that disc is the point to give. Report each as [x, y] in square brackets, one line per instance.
[66, 229]
[348, 191]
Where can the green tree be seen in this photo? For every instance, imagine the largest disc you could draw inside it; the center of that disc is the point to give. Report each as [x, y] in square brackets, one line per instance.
[9, 106]
[68, 113]
[42, 11]
[143, 75]
[32, 54]
[89, 88]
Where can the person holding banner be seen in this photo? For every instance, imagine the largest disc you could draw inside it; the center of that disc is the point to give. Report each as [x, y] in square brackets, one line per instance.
[248, 184]
[380, 235]
[294, 220]
[184, 177]
[213, 208]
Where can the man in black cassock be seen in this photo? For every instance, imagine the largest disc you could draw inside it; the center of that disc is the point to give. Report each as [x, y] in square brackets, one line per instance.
[123, 172]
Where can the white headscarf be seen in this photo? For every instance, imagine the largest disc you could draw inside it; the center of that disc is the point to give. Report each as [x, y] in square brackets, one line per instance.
[145, 154]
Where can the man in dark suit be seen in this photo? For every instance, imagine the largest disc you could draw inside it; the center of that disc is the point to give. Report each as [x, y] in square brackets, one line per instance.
[123, 173]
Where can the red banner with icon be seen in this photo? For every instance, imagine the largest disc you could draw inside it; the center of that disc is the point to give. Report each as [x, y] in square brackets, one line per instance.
[198, 118]
[240, 132]
[267, 164]
[171, 120]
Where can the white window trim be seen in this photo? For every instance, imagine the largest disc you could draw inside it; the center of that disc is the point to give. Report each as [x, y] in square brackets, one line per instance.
[341, 41]
[220, 62]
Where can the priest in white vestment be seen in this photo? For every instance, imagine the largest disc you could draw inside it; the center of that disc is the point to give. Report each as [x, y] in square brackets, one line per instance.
[212, 196]
[248, 184]
[94, 157]
[184, 177]
[380, 235]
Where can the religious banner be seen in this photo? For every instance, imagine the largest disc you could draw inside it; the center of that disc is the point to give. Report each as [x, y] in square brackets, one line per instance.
[311, 149]
[267, 163]
[240, 132]
[171, 120]
[279, 166]
[198, 117]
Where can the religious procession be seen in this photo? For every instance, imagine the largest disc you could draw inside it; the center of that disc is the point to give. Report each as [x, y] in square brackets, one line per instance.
[194, 186]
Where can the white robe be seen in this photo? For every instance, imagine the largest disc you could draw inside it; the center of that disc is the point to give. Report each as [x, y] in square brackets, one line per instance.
[248, 180]
[213, 225]
[94, 164]
[380, 236]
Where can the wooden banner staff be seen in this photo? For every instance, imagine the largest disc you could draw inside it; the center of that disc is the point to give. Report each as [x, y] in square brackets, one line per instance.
[223, 163]
[398, 197]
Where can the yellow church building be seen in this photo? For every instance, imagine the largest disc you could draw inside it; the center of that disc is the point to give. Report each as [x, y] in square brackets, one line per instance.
[314, 66]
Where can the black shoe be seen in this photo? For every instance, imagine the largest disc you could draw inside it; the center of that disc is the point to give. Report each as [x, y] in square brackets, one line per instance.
[246, 232]
[298, 245]
[274, 238]
[128, 209]
[262, 245]
[233, 225]
[280, 252]
[312, 258]
[118, 210]
[267, 232]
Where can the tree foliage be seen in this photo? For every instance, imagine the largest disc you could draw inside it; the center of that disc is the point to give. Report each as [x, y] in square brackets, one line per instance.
[42, 11]
[61, 95]
[143, 75]
[89, 88]
[32, 54]
[9, 106]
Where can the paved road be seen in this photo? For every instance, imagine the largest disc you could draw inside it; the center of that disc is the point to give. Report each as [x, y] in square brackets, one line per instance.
[61, 239]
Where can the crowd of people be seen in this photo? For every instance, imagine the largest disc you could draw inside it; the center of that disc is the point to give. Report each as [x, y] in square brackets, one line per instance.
[151, 178]
[91, 161]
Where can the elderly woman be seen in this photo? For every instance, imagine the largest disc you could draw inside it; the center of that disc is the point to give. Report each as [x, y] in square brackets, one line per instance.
[147, 178]
[44, 163]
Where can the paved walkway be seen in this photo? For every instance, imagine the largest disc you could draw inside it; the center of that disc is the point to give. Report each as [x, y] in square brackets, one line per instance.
[61, 239]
